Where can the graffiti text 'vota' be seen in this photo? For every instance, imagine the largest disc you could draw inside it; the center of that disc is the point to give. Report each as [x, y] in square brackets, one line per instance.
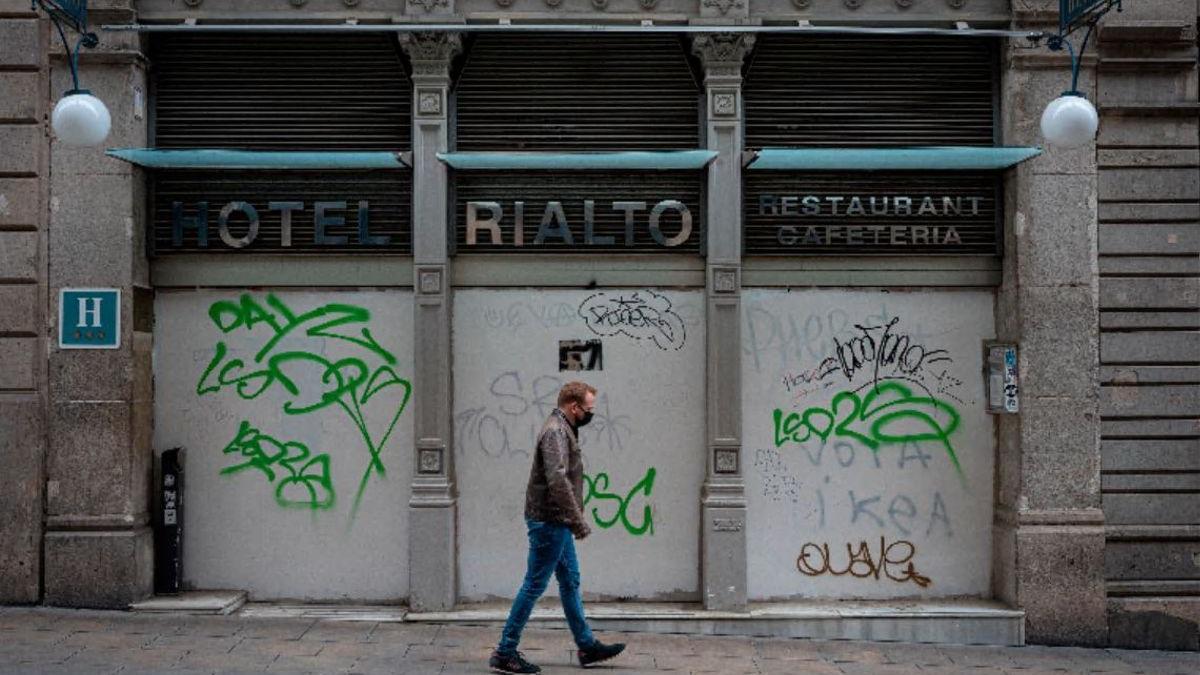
[553, 226]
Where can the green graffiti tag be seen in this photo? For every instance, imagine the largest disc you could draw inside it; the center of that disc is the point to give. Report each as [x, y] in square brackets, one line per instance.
[596, 488]
[311, 381]
[873, 420]
[307, 484]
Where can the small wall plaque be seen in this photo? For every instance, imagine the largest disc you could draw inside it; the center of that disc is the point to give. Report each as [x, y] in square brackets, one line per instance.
[89, 318]
[580, 355]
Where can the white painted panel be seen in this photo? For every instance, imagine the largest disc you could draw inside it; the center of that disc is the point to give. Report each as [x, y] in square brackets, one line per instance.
[649, 416]
[275, 527]
[910, 364]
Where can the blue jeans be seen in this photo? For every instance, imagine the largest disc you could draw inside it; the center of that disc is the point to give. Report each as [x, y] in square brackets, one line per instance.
[551, 551]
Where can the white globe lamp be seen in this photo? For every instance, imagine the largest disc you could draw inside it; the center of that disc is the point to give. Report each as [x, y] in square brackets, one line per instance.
[1070, 121]
[80, 119]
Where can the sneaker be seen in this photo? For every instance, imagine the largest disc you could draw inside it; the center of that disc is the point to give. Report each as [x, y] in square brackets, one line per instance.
[516, 663]
[599, 652]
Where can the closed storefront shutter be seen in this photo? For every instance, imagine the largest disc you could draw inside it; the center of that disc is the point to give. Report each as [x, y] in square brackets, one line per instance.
[300, 97]
[837, 91]
[851, 104]
[554, 94]
[280, 92]
[570, 92]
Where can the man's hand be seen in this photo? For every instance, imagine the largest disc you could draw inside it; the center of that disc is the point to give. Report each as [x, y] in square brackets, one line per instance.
[582, 531]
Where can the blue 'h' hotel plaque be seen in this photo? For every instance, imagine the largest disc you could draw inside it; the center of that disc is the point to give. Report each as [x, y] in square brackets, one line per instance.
[89, 318]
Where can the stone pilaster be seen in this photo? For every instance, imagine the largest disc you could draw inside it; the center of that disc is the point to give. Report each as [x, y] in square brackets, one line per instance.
[723, 500]
[432, 563]
[24, 75]
[99, 545]
[1049, 530]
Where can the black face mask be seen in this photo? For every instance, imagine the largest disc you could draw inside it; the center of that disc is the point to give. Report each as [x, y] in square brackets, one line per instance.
[583, 421]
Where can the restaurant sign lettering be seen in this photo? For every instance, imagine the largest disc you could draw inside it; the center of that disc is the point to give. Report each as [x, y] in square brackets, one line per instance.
[827, 214]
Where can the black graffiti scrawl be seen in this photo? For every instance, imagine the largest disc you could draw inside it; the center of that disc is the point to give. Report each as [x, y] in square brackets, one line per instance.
[641, 315]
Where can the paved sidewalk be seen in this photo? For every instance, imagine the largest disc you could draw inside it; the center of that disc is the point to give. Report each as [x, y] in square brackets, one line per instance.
[41, 640]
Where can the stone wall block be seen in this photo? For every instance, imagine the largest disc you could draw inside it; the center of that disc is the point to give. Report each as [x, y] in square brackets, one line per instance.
[17, 356]
[1061, 480]
[89, 463]
[91, 230]
[102, 570]
[21, 451]
[1050, 425]
[19, 256]
[1119, 130]
[91, 374]
[19, 42]
[1059, 341]
[19, 309]
[20, 96]
[1061, 584]
[1058, 243]
[19, 202]
[22, 145]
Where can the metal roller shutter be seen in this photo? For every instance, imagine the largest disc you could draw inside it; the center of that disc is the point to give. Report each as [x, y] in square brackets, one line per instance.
[570, 92]
[839, 91]
[280, 92]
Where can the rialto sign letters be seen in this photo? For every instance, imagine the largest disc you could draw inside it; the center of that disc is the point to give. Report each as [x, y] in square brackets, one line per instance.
[668, 223]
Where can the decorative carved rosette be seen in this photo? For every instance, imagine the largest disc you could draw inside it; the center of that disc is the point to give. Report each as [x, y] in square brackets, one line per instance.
[723, 6]
[430, 5]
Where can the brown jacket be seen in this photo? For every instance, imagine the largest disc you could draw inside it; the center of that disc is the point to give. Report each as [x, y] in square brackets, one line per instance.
[555, 492]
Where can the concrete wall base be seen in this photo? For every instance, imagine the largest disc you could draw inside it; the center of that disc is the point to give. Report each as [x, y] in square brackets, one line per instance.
[949, 622]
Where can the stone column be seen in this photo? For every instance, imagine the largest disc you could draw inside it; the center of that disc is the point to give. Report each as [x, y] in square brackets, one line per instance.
[98, 545]
[1049, 529]
[432, 559]
[723, 499]
[24, 76]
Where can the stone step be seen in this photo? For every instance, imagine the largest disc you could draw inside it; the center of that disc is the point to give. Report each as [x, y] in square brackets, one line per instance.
[939, 622]
[194, 602]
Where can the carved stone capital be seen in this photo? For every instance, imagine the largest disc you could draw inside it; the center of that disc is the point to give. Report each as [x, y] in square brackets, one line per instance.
[722, 53]
[431, 53]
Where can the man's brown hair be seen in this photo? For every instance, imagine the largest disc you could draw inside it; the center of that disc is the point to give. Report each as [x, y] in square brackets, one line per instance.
[575, 392]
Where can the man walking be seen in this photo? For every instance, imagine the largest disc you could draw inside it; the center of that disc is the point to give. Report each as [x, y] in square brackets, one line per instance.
[553, 515]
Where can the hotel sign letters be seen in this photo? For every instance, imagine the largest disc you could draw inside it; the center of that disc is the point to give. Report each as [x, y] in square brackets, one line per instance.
[244, 218]
[287, 212]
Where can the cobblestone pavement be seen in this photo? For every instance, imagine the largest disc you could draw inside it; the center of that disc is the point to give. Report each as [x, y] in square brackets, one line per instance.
[41, 640]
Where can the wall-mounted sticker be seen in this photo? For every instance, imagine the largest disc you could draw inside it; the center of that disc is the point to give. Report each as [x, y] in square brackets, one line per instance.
[1002, 379]
[580, 355]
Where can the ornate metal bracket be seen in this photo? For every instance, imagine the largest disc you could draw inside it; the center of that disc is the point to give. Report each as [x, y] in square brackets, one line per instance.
[1072, 15]
[73, 13]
